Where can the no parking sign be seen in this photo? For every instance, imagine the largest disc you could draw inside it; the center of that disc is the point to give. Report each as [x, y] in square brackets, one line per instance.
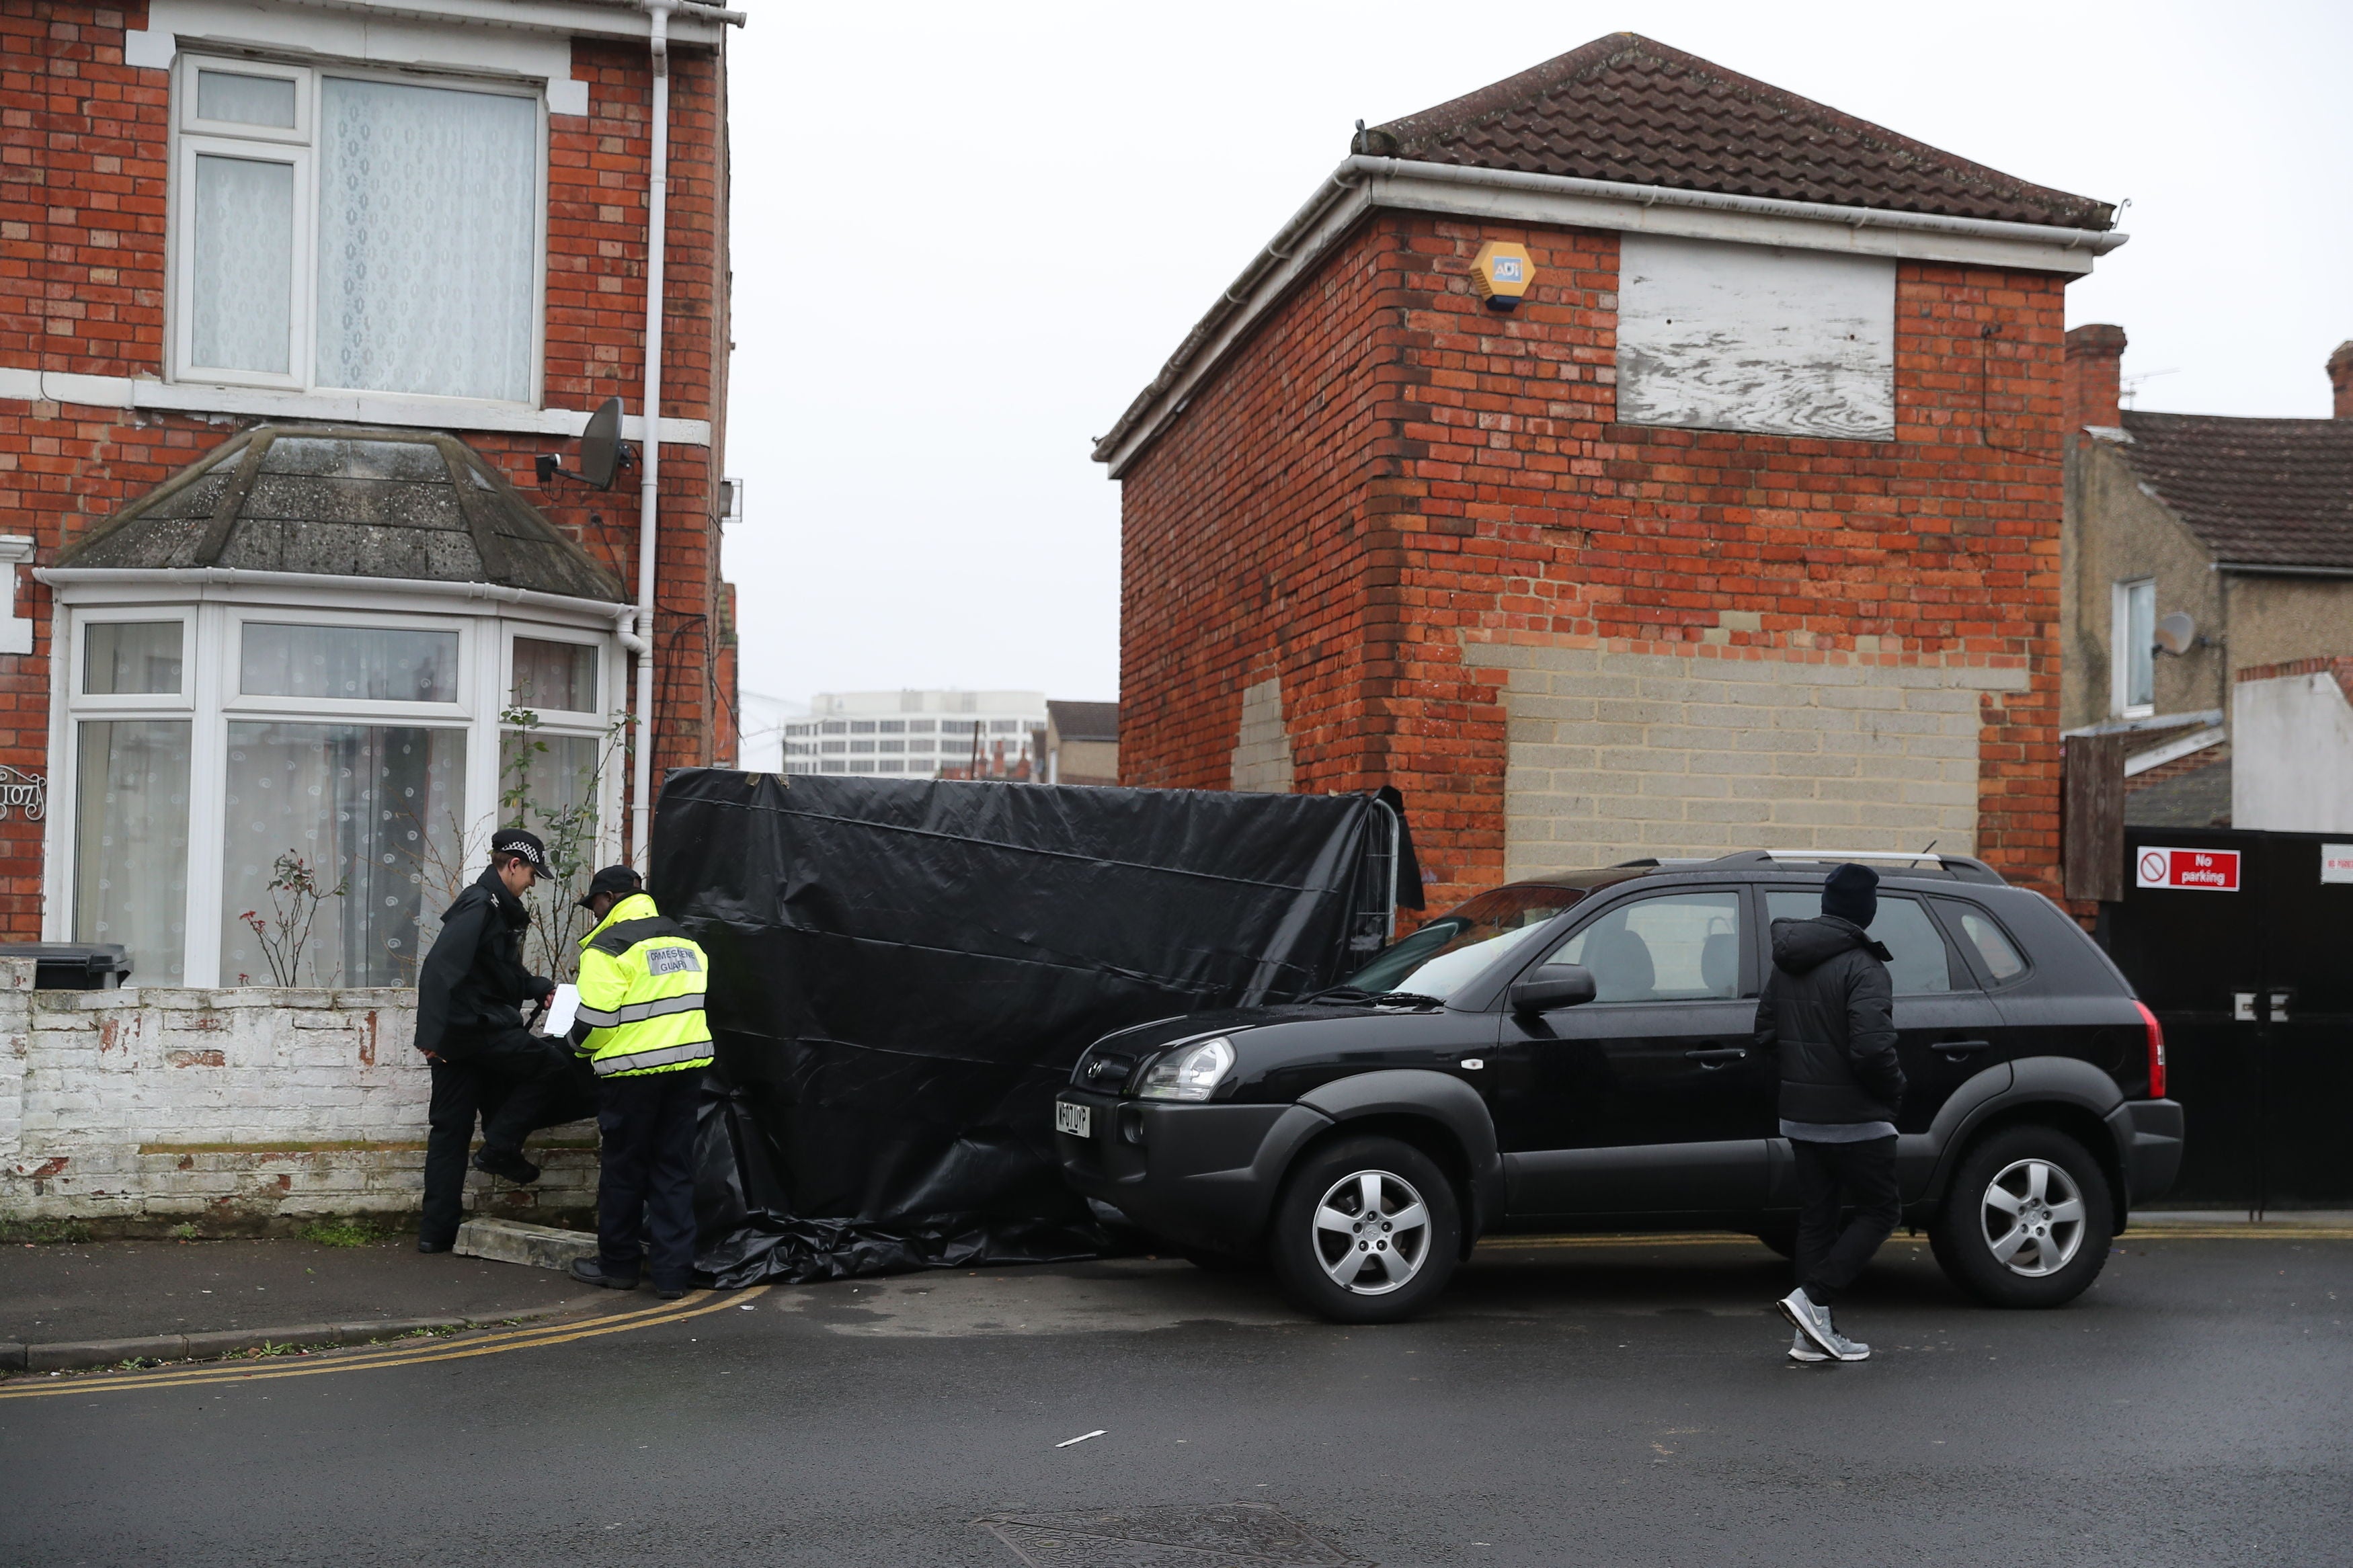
[2192, 870]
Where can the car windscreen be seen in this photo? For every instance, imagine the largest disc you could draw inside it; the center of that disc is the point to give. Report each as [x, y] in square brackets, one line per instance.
[1440, 957]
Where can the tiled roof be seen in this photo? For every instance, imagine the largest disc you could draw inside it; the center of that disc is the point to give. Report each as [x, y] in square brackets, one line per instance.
[2264, 492]
[415, 504]
[1085, 721]
[1628, 109]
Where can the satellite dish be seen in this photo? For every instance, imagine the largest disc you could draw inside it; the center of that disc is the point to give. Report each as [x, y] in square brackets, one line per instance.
[2176, 632]
[602, 450]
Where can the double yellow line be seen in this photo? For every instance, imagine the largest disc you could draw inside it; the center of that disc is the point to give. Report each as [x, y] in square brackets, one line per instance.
[693, 1305]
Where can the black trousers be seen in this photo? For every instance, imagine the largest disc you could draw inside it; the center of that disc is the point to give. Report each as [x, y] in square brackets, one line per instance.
[509, 1077]
[1832, 1177]
[647, 1177]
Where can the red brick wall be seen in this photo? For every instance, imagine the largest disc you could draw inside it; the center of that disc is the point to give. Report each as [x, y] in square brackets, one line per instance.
[1488, 495]
[83, 143]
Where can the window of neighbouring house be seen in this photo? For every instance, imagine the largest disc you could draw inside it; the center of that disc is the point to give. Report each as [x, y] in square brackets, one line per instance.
[356, 232]
[1719, 336]
[2135, 656]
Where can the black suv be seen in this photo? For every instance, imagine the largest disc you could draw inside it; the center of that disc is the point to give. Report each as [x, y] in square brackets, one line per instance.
[1575, 1052]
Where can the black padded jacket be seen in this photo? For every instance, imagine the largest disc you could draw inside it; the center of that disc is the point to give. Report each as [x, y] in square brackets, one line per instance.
[474, 981]
[1828, 1011]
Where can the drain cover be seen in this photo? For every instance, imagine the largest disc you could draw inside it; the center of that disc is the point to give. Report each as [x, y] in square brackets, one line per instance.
[1229, 1535]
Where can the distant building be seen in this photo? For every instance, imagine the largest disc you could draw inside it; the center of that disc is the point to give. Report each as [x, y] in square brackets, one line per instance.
[1082, 744]
[2246, 527]
[922, 733]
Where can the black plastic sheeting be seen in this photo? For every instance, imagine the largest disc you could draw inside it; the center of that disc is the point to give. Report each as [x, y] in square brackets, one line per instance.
[902, 972]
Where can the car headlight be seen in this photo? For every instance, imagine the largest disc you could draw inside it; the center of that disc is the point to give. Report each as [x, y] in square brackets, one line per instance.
[1189, 1073]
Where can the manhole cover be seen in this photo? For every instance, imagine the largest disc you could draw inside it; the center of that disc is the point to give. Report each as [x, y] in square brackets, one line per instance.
[1239, 1535]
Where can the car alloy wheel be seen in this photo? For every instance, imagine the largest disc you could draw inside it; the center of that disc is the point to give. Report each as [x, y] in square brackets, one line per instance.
[1371, 1232]
[2033, 1217]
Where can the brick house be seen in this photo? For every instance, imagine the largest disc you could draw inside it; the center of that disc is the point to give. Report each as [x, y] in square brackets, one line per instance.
[293, 297]
[1740, 529]
[2246, 527]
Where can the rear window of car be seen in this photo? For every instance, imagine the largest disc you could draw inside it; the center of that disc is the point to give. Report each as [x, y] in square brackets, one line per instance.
[1919, 963]
[1994, 949]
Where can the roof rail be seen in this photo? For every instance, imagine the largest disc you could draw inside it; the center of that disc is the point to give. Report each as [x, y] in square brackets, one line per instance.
[1962, 868]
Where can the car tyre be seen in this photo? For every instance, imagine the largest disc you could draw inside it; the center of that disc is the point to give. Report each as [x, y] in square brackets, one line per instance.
[2028, 1220]
[1781, 1240]
[1366, 1230]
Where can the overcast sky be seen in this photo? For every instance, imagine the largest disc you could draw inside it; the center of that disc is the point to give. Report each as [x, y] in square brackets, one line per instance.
[965, 235]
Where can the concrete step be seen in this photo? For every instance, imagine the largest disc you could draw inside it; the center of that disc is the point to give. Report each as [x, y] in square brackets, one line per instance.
[517, 1241]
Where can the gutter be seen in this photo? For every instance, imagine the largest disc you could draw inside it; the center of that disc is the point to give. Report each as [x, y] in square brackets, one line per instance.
[2264, 569]
[321, 582]
[1359, 171]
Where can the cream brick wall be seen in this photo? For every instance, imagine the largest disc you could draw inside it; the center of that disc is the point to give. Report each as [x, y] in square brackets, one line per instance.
[1261, 759]
[1616, 753]
[238, 1106]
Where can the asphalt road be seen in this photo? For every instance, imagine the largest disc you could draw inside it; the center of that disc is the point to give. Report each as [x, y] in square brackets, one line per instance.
[1570, 1405]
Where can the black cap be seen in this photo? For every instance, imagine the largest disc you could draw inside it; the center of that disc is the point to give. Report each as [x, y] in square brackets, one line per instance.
[1852, 893]
[618, 880]
[515, 841]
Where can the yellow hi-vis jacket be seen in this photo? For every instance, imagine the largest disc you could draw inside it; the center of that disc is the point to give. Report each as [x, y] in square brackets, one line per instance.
[641, 983]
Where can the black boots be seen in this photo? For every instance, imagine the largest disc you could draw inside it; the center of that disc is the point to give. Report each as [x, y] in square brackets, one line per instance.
[507, 1162]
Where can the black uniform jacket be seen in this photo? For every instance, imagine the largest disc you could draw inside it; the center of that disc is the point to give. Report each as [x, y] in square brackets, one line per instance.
[1828, 1010]
[473, 980]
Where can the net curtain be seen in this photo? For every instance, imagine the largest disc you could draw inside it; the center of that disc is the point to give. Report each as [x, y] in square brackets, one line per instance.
[427, 199]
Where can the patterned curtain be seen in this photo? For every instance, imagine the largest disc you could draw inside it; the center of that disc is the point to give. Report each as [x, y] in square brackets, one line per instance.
[130, 849]
[243, 217]
[426, 203]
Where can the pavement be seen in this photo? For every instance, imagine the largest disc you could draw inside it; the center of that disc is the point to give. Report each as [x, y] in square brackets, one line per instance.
[1583, 1402]
[111, 1290]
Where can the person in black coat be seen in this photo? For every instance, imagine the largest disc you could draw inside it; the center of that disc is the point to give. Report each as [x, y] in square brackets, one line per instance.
[1828, 1011]
[470, 1026]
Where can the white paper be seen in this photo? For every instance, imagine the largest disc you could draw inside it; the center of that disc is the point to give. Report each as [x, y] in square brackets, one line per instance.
[561, 1011]
[2336, 862]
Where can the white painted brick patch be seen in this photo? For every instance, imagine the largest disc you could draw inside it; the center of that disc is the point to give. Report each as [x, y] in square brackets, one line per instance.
[252, 1104]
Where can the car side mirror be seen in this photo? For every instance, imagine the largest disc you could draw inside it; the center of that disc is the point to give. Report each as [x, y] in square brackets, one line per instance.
[1555, 986]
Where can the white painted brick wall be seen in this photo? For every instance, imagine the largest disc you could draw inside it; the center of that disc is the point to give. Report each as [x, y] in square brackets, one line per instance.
[1616, 754]
[244, 1105]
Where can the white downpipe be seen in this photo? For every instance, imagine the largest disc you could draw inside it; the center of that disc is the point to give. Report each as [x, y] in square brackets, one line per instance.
[641, 739]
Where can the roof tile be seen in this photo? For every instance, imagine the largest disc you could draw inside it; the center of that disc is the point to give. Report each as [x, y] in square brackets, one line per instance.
[1629, 110]
[2263, 492]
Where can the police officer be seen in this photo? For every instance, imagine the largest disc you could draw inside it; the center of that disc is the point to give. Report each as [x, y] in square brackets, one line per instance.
[470, 1027]
[640, 1022]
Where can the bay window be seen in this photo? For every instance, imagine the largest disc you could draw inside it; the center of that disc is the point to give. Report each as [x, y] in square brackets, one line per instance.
[357, 231]
[267, 792]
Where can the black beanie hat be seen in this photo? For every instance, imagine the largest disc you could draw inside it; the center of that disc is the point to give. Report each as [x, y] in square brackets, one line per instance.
[1852, 893]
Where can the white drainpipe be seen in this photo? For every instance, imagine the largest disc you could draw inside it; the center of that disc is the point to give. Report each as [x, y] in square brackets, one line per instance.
[641, 782]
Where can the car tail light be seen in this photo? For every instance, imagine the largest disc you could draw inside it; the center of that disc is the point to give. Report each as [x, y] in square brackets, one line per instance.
[2155, 1051]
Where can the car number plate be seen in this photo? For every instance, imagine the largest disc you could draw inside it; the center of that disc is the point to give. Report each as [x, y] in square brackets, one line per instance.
[1077, 1121]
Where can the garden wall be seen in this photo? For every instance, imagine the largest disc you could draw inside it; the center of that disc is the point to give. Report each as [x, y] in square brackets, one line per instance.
[236, 1110]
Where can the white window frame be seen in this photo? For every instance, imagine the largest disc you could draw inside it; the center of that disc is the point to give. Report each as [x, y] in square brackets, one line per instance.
[2121, 653]
[212, 618]
[192, 137]
[554, 720]
[131, 704]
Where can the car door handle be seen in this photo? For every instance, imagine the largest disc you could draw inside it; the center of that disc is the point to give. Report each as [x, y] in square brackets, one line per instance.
[1960, 1048]
[1716, 1055]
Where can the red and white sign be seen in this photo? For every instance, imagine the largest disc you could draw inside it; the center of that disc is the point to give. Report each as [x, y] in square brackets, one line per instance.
[2198, 870]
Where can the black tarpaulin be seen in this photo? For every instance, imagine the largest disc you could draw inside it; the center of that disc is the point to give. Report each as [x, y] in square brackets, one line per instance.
[902, 972]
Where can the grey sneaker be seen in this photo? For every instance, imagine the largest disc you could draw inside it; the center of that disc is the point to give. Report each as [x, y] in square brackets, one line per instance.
[1812, 1322]
[1802, 1349]
[1848, 1349]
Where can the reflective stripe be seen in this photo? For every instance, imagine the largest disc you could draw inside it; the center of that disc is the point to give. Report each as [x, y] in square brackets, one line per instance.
[595, 1018]
[638, 1012]
[694, 1051]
